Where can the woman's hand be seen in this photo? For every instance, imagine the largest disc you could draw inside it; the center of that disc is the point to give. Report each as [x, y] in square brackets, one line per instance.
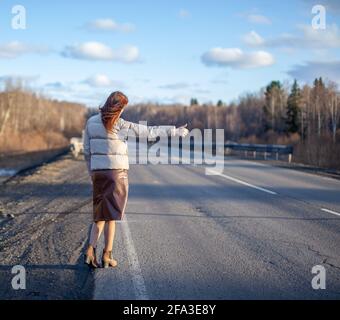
[182, 131]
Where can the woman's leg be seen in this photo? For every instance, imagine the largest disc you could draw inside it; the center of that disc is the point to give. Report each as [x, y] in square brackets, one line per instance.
[109, 232]
[90, 256]
[96, 231]
[110, 229]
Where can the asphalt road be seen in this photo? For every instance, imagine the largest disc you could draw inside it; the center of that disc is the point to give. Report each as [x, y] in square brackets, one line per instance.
[253, 232]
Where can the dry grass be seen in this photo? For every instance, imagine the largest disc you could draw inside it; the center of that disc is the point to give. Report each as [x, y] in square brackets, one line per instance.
[320, 152]
[29, 122]
[31, 141]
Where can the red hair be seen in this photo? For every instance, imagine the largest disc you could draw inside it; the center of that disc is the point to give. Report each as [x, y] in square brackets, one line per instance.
[112, 108]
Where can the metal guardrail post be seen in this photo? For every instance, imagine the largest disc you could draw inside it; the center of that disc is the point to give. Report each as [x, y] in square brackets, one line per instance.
[290, 158]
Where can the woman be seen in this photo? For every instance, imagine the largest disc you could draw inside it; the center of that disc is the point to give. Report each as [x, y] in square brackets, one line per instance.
[107, 161]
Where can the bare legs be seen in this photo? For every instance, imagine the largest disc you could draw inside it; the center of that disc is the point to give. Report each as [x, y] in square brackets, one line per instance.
[96, 231]
[109, 228]
[109, 233]
[90, 256]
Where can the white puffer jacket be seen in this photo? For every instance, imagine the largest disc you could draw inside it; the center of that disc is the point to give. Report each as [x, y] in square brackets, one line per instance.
[108, 150]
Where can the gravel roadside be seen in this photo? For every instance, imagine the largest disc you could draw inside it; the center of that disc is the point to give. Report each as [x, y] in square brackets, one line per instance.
[51, 213]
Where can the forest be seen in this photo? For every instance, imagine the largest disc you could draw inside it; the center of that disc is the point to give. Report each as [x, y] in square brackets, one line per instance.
[306, 117]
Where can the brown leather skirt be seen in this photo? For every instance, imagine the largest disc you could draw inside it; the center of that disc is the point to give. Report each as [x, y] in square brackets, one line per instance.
[110, 193]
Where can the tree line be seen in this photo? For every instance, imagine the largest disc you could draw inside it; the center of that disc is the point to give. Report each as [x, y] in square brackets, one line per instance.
[308, 111]
[306, 116]
[29, 122]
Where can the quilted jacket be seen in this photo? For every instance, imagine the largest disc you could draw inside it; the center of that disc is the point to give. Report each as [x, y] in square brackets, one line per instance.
[108, 150]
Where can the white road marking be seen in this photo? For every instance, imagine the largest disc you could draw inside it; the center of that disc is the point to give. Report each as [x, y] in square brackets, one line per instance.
[104, 279]
[242, 182]
[330, 211]
[136, 272]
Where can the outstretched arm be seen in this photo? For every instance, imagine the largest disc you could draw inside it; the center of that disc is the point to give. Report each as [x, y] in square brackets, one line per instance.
[152, 132]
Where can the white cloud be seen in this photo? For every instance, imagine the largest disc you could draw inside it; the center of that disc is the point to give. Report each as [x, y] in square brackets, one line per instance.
[100, 51]
[236, 58]
[15, 49]
[99, 80]
[259, 19]
[103, 81]
[110, 25]
[306, 37]
[184, 14]
[253, 39]
[90, 91]
[77, 91]
[329, 38]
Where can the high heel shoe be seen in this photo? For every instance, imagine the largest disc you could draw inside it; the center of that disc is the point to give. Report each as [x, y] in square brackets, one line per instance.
[90, 258]
[107, 260]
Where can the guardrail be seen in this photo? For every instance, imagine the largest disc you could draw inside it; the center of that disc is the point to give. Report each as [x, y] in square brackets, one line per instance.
[266, 149]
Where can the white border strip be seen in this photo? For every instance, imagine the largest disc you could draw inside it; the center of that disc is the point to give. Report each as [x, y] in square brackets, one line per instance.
[330, 211]
[242, 182]
[136, 272]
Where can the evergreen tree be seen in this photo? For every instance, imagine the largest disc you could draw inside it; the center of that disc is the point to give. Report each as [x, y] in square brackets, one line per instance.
[220, 103]
[193, 102]
[293, 109]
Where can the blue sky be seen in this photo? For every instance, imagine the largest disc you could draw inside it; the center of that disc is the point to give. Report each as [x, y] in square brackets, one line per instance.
[168, 50]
